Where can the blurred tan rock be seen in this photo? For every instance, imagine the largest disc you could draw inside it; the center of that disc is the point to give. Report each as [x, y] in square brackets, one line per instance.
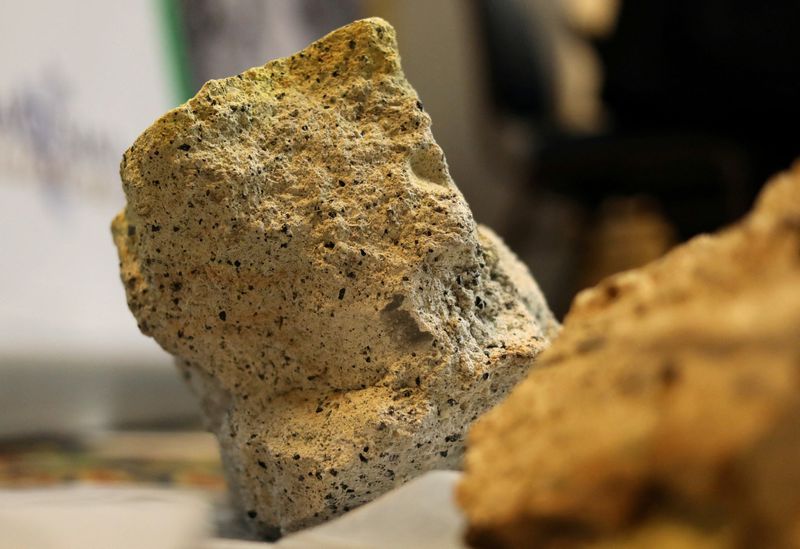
[667, 414]
[293, 236]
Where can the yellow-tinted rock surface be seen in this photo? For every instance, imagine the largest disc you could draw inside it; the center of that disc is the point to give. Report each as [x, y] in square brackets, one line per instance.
[667, 413]
[293, 236]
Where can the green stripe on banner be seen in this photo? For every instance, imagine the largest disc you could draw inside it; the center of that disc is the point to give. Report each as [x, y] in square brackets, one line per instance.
[176, 43]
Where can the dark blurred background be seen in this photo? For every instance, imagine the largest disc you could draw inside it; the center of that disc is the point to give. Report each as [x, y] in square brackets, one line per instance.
[593, 135]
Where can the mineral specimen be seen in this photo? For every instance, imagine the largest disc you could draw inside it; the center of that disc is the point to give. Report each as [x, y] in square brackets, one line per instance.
[667, 414]
[293, 236]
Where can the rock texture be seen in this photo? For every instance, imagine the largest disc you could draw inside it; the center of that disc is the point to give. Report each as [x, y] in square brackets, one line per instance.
[667, 414]
[293, 236]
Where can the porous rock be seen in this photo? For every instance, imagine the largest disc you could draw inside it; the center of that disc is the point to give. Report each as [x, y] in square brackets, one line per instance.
[667, 413]
[293, 236]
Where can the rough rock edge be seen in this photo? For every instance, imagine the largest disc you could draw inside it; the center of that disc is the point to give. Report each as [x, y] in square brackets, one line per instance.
[311, 437]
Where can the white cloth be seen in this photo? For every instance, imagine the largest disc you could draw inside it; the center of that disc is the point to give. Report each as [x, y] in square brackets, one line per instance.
[421, 514]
